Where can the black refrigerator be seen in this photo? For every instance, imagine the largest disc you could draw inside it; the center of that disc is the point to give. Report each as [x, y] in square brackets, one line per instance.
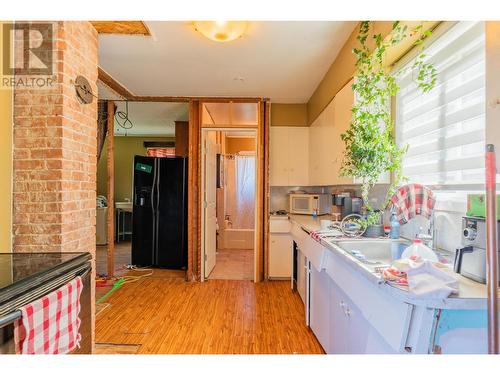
[159, 233]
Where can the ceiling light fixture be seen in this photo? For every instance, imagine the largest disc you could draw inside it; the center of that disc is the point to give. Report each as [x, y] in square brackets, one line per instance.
[221, 31]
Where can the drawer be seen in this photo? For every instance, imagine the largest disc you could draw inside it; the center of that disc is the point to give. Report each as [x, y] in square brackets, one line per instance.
[279, 225]
[313, 250]
[299, 236]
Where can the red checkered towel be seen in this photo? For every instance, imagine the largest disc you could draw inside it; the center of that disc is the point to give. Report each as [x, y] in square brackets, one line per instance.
[315, 235]
[412, 200]
[50, 324]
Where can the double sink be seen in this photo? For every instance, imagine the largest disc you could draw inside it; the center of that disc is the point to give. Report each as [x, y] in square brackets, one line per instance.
[375, 254]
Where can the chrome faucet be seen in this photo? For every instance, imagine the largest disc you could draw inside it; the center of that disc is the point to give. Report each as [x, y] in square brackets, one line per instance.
[429, 238]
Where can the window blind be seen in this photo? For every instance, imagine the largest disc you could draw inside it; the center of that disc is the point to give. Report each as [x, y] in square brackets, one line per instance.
[445, 128]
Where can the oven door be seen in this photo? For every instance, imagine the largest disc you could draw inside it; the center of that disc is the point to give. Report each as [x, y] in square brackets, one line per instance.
[7, 325]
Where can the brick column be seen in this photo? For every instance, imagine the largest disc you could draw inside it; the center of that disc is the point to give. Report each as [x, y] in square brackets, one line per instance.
[55, 151]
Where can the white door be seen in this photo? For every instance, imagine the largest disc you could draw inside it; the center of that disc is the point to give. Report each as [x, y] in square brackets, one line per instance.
[210, 189]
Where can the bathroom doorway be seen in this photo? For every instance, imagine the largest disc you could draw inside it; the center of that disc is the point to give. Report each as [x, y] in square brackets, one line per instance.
[229, 191]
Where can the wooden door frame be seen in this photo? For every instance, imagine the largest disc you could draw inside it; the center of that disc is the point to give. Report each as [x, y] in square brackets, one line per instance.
[194, 181]
[110, 165]
[204, 131]
[195, 190]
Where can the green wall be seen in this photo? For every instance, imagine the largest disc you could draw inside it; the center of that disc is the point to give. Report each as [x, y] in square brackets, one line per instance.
[125, 150]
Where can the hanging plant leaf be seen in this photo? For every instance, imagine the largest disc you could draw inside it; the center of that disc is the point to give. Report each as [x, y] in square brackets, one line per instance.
[371, 149]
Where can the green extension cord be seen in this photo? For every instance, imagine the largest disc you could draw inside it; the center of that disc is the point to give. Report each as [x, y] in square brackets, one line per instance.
[116, 286]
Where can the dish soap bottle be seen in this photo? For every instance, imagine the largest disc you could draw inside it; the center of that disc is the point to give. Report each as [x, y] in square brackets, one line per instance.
[315, 213]
[394, 234]
[395, 226]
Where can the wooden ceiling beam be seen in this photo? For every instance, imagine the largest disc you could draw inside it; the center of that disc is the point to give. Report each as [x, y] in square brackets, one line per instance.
[113, 84]
[121, 90]
[121, 27]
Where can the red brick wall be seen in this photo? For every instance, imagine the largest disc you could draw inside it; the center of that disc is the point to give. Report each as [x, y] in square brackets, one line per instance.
[55, 149]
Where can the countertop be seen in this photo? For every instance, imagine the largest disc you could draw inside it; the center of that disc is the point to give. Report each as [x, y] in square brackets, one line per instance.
[472, 295]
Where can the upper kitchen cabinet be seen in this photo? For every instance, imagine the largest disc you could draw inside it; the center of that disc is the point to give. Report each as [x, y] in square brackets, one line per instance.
[325, 144]
[289, 156]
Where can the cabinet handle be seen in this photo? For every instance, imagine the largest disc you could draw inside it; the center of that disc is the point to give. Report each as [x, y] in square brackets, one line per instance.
[345, 308]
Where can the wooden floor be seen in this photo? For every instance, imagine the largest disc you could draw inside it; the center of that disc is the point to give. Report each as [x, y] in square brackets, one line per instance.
[233, 264]
[164, 314]
[122, 255]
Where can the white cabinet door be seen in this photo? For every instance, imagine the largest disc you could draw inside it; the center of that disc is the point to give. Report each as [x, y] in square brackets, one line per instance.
[289, 156]
[343, 101]
[298, 146]
[280, 256]
[327, 144]
[350, 331]
[315, 152]
[319, 306]
[278, 156]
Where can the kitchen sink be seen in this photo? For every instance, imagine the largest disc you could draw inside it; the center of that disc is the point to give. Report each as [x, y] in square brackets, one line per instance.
[373, 253]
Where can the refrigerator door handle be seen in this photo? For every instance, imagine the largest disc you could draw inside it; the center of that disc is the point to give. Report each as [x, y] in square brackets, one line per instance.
[157, 208]
[153, 211]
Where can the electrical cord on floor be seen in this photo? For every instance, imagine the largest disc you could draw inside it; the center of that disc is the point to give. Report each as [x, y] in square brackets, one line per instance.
[126, 279]
[133, 278]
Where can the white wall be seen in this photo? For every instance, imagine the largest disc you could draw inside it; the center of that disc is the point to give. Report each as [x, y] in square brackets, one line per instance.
[493, 86]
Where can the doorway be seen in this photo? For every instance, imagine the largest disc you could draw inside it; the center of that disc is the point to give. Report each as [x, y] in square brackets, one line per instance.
[230, 204]
[130, 129]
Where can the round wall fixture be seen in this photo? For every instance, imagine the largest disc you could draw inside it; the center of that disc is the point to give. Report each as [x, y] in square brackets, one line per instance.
[83, 90]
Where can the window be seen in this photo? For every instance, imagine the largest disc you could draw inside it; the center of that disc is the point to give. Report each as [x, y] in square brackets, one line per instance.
[445, 128]
[161, 152]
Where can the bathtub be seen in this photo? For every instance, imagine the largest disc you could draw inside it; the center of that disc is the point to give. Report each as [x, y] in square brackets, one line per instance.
[231, 238]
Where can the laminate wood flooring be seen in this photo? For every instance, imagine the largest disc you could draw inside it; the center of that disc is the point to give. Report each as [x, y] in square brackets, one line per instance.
[165, 314]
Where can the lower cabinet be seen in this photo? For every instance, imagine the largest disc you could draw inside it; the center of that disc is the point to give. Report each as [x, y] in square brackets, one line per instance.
[280, 256]
[319, 306]
[347, 313]
[337, 322]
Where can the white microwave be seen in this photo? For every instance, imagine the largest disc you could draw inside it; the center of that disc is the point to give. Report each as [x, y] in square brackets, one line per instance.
[308, 204]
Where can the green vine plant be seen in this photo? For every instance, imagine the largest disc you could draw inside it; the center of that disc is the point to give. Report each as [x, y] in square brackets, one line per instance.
[370, 145]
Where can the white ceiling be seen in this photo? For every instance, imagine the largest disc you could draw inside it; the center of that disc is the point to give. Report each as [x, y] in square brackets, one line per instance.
[282, 60]
[152, 119]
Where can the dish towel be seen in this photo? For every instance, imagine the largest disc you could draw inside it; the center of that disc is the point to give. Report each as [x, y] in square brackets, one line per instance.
[317, 235]
[412, 200]
[426, 280]
[50, 324]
